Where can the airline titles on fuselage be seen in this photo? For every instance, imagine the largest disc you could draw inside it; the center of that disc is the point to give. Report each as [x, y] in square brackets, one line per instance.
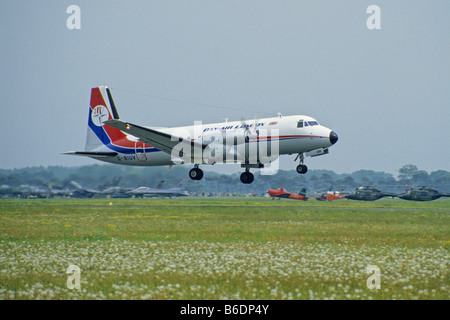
[239, 126]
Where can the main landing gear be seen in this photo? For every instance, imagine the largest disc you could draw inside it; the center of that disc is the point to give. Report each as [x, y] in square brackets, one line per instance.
[301, 168]
[196, 173]
[247, 177]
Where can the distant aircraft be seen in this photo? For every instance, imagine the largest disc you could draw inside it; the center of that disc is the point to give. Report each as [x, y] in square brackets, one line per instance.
[58, 192]
[367, 193]
[27, 191]
[421, 194]
[282, 193]
[253, 144]
[116, 192]
[330, 195]
[81, 192]
[177, 191]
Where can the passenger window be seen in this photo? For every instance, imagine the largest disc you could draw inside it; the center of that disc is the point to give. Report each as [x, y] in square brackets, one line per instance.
[300, 124]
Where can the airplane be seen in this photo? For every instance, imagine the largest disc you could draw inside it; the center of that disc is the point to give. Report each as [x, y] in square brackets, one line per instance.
[27, 191]
[367, 193]
[330, 195]
[254, 145]
[112, 189]
[421, 194]
[81, 192]
[58, 192]
[282, 193]
[116, 192]
[176, 191]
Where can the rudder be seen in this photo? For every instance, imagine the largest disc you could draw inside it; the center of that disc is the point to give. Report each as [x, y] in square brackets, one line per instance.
[102, 108]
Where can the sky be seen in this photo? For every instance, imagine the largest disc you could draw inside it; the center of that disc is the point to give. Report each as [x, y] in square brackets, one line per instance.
[169, 63]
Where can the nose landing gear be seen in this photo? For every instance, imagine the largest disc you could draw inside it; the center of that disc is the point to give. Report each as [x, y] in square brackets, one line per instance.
[301, 168]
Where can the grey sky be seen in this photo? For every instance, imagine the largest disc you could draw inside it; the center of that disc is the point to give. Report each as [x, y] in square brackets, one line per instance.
[168, 63]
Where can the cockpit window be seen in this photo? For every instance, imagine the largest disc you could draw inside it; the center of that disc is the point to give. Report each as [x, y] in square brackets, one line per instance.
[302, 123]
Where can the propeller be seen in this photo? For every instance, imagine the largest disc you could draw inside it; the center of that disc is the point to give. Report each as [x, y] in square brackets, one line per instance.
[250, 129]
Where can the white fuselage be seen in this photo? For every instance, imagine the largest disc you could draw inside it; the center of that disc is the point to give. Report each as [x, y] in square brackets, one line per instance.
[282, 132]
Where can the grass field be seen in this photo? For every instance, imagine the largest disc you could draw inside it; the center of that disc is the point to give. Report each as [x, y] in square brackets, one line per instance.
[224, 248]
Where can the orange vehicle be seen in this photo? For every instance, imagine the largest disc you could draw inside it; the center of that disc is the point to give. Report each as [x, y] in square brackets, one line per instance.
[282, 193]
[330, 195]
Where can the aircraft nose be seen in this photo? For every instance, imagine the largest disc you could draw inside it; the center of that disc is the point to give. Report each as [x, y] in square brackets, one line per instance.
[333, 137]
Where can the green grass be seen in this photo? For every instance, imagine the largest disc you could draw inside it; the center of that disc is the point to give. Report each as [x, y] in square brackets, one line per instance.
[222, 248]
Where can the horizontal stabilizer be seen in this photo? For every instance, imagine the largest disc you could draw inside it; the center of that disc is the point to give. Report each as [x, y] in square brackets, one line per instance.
[92, 154]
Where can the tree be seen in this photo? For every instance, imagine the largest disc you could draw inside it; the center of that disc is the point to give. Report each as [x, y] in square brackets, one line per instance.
[420, 177]
[407, 172]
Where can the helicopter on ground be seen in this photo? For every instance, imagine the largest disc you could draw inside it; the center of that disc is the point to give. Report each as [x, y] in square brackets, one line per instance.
[368, 193]
[421, 194]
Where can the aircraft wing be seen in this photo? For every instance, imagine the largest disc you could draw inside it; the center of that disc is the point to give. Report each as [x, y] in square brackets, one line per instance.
[158, 139]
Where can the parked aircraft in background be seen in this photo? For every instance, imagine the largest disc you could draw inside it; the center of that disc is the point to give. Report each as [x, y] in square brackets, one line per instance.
[27, 191]
[81, 192]
[421, 194]
[330, 195]
[55, 192]
[253, 144]
[367, 193]
[282, 193]
[177, 191]
[112, 191]
[116, 192]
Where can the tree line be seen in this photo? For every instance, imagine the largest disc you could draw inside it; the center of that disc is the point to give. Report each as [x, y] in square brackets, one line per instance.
[100, 176]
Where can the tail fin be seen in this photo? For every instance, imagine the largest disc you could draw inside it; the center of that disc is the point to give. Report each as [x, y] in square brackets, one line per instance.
[76, 185]
[302, 192]
[102, 108]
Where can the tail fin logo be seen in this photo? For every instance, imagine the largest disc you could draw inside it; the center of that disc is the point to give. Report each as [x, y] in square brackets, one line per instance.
[99, 115]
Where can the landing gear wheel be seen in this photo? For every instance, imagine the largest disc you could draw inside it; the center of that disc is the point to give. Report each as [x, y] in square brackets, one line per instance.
[247, 177]
[196, 174]
[302, 169]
